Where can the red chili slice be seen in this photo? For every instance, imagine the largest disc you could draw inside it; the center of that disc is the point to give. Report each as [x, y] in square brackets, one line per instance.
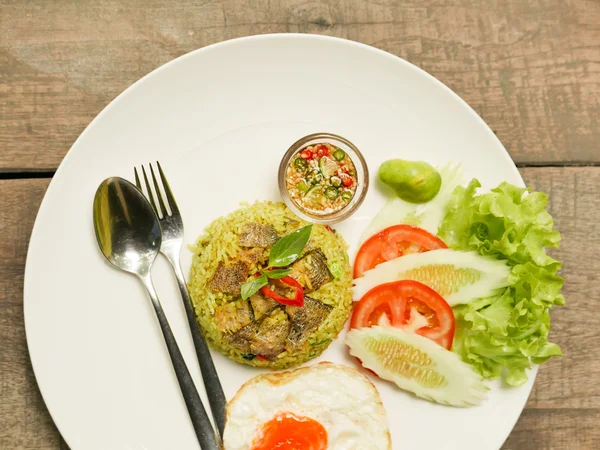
[297, 300]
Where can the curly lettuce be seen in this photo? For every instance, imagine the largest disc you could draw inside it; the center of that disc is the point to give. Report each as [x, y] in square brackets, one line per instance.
[503, 335]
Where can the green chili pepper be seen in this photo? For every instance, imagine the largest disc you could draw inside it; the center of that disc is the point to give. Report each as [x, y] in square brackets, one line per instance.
[300, 164]
[331, 192]
[339, 154]
[314, 177]
[335, 269]
[347, 196]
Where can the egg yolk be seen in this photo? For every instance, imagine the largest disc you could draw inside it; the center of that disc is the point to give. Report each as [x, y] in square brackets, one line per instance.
[289, 432]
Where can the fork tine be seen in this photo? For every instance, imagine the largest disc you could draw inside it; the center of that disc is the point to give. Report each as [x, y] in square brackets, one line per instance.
[170, 199]
[150, 194]
[137, 179]
[158, 193]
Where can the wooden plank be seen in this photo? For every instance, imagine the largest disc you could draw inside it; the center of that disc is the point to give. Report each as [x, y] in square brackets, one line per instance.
[557, 429]
[530, 68]
[26, 423]
[564, 406]
[568, 382]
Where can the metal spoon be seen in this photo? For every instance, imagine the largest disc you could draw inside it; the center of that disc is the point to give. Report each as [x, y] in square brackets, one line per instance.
[129, 236]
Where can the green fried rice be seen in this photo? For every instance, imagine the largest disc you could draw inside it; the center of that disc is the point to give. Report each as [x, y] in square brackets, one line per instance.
[220, 243]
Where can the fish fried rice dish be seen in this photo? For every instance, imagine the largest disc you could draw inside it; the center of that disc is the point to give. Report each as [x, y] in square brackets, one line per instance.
[270, 290]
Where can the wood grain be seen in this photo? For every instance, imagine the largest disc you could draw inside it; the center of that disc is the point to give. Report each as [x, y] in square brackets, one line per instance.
[564, 407]
[563, 410]
[25, 422]
[530, 68]
[556, 429]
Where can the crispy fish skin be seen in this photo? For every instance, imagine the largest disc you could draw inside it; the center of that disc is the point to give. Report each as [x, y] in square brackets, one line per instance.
[311, 271]
[228, 278]
[261, 305]
[266, 337]
[232, 316]
[252, 256]
[306, 320]
[257, 235]
[272, 334]
[242, 339]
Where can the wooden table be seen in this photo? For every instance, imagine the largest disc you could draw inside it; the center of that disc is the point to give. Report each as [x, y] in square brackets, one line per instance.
[530, 68]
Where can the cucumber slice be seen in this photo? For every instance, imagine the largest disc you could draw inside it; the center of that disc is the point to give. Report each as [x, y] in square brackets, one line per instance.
[395, 212]
[417, 364]
[427, 215]
[459, 277]
[328, 167]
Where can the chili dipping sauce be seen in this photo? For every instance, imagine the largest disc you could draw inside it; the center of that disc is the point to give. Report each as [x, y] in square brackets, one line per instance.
[321, 179]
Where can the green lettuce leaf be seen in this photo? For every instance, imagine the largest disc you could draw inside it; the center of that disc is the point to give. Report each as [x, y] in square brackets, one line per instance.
[503, 335]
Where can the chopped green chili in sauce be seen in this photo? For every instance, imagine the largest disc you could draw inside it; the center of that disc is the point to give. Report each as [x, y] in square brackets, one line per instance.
[321, 179]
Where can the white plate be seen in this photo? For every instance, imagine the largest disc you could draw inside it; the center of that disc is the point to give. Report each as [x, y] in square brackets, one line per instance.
[219, 119]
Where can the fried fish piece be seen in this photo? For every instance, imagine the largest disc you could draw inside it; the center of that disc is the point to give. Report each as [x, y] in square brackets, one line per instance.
[257, 235]
[232, 316]
[272, 334]
[261, 305]
[242, 339]
[229, 278]
[311, 271]
[253, 256]
[266, 337]
[306, 319]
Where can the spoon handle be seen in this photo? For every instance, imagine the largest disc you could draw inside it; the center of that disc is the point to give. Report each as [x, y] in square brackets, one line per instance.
[202, 426]
[214, 390]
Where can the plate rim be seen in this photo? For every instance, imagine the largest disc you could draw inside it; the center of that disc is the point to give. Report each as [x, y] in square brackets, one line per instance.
[35, 232]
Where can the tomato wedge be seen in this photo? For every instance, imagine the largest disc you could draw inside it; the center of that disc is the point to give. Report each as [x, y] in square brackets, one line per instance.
[393, 242]
[410, 305]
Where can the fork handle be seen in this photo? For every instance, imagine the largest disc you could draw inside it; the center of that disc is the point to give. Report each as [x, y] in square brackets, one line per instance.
[200, 421]
[214, 390]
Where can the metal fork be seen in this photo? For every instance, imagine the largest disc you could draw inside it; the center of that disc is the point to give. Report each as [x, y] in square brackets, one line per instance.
[172, 240]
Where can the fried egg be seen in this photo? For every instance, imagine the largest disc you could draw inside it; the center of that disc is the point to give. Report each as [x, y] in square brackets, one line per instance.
[322, 407]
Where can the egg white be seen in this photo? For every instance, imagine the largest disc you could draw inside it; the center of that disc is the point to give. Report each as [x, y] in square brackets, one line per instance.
[342, 400]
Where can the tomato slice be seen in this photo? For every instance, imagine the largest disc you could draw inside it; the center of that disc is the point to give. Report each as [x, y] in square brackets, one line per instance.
[410, 305]
[322, 151]
[393, 242]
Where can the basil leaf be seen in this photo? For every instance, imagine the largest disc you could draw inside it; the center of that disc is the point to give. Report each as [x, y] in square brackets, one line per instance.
[277, 273]
[251, 287]
[287, 249]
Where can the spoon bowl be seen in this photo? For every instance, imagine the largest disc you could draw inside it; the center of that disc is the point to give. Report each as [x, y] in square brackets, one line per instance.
[127, 229]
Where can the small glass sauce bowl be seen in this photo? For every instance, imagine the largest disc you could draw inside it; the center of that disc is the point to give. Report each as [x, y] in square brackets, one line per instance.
[361, 170]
